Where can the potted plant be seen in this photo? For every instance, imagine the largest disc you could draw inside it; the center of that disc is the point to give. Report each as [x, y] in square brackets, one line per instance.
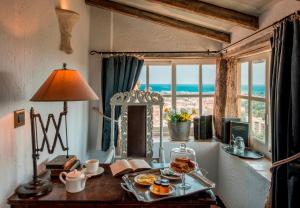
[179, 123]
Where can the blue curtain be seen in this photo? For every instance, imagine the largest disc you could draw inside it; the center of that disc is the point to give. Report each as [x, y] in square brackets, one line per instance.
[119, 74]
[285, 113]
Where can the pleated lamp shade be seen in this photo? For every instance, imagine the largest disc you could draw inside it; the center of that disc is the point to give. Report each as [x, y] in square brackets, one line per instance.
[64, 85]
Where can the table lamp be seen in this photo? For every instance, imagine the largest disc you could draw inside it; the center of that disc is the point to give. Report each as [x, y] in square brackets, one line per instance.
[62, 85]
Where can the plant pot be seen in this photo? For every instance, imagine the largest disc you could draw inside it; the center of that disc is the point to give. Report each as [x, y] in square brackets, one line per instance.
[179, 131]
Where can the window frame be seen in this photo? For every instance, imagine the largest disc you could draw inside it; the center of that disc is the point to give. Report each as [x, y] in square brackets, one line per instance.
[174, 95]
[256, 143]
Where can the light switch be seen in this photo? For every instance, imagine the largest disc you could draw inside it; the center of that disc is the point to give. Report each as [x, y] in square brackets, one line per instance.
[19, 118]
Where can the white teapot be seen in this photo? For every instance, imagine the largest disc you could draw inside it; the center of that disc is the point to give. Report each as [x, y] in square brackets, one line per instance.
[75, 181]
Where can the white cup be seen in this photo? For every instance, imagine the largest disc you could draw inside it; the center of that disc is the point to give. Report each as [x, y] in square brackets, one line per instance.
[92, 165]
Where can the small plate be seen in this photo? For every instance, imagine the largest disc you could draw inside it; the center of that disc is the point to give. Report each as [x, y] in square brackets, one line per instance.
[171, 188]
[143, 184]
[98, 172]
[170, 177]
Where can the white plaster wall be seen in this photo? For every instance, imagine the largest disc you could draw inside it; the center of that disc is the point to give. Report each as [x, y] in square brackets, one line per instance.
[29, 51]
[273, 12]
[239, 185]
[111, 30]
[133, 34]
[100, 39]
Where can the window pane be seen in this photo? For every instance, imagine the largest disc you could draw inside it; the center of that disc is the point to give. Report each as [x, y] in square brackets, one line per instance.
[160, 79]
[188, 103]
[259, 78]
[244, 114]
[141, 83]
[156, 113]
[208, 78]
[207, 105]
[258, 120]
[187, 79]
[244, 78]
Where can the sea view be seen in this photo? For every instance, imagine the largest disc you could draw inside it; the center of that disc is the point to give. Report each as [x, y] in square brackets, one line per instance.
[257, 90]
[189, 103]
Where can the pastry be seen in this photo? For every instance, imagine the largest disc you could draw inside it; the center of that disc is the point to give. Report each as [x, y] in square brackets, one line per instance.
[183, 165]
[182, 159]
[146, 179]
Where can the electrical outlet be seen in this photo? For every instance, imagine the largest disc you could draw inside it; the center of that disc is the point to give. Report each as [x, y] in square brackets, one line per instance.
[19, 118]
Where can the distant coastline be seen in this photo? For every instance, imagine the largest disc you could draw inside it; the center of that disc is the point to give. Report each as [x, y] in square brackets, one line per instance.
[258, 90]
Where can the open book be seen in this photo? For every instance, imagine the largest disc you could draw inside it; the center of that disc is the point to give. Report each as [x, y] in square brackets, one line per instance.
[121, 167]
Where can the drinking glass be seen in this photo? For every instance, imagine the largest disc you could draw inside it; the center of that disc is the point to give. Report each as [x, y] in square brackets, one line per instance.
[240, 145]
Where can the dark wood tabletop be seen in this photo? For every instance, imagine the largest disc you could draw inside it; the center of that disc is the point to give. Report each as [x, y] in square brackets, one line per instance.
[105, 191]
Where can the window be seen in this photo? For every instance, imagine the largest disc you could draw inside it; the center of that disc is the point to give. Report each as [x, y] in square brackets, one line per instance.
[208, 88]
[183, 84]
[187, 87]
[160, 81]
[254, 99]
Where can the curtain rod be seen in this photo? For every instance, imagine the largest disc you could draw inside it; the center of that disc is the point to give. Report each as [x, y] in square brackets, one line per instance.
[265, 28]
[208, 52]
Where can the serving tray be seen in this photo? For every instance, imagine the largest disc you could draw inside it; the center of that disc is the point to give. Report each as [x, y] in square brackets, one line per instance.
[197, 181]
[247, 154]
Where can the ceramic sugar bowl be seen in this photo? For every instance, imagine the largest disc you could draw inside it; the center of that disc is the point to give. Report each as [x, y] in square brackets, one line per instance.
[75, 181]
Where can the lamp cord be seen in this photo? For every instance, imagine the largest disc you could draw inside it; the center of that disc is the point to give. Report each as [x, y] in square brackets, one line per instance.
[36, 139]
[67, 136]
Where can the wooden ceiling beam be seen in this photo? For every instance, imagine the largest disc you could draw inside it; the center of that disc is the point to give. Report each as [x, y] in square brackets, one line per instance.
[161, 19]
[211, 10]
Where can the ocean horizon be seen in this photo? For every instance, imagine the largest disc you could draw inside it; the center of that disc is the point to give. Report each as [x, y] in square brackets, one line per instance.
[258, 90]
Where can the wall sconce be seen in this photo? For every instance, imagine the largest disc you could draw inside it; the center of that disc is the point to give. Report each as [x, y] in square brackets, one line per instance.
[66, 21]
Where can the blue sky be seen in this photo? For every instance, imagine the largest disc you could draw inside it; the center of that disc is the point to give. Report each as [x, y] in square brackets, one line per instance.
[160, 75]
[258, 73]
[186, 74]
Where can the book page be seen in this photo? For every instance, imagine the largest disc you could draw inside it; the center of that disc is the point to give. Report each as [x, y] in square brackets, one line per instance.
[120, 166]
[138, 164]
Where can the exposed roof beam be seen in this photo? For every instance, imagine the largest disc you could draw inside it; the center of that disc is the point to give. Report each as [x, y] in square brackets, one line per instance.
[211, 10]
[161, 19]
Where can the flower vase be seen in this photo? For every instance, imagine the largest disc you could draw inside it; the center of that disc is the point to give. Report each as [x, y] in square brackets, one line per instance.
[179, 131]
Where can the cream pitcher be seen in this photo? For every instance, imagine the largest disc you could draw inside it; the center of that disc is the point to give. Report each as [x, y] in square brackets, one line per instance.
[75, 181]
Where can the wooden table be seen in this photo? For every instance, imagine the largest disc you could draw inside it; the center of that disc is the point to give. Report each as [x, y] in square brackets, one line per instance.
[105, 191]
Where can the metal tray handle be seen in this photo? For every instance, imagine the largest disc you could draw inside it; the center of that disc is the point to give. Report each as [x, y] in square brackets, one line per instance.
[124, 186]
[208, 183]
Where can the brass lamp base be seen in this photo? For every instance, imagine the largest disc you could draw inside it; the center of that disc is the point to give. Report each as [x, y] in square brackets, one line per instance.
[35, 188]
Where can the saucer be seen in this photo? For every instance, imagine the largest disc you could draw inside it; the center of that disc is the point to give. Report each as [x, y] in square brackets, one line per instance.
[173, 176]
[171, 191]
[99, 171]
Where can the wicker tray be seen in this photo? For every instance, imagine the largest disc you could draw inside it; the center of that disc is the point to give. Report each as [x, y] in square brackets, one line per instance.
[197, 181]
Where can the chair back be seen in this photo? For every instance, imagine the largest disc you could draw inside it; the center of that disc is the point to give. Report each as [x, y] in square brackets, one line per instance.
[136, 123]
[137, 131]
